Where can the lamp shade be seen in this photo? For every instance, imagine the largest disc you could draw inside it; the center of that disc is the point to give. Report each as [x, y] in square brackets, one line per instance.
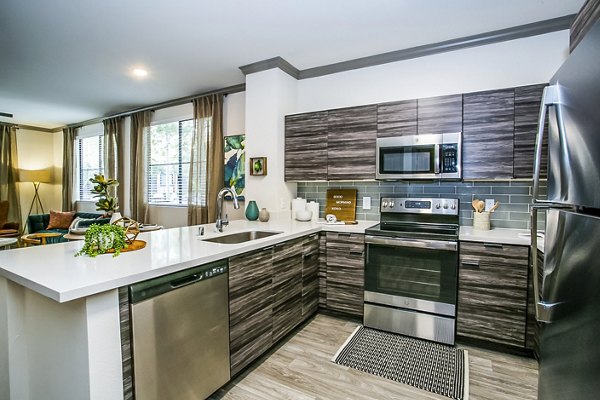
[35, 175]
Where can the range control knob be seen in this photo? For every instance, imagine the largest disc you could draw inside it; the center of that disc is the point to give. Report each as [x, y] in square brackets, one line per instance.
[445, 206]
[453, 206]
[384, 204]
[437, 206]
[391, 204]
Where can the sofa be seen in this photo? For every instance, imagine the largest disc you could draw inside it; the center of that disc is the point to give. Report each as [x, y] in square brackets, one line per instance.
[39, 222]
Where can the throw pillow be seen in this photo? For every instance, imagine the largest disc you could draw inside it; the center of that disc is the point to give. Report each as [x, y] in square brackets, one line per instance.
[60, 220]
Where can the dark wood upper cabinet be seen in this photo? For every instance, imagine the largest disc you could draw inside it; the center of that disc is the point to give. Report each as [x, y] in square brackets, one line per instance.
[527, 108]
[585, 19]
[351, 143]
[441, 114]
[488, 130]
[306, 146]
[397, 119]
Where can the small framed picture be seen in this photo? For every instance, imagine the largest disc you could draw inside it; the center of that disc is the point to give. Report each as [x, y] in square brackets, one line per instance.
[258, 166]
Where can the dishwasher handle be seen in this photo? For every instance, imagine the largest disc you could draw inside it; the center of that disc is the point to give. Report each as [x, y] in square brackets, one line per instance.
[186, 280]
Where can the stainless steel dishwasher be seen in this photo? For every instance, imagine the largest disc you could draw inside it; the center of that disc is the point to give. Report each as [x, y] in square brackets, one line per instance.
[180, 327]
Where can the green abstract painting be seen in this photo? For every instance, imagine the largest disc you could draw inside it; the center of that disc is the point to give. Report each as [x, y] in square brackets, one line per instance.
[235, 160]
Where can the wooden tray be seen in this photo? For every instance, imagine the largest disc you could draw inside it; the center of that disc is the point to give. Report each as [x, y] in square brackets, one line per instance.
[136, 245]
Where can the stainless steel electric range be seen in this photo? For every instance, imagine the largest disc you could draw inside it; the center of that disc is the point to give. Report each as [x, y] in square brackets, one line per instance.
[411, 268]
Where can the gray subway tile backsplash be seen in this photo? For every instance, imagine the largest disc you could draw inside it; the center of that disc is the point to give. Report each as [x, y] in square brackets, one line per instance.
[514, 197]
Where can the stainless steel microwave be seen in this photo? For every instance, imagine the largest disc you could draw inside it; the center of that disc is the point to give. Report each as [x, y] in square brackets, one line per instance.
[437, 156]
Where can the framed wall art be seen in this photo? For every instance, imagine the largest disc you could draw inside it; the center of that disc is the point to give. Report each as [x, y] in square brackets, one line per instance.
[258, 166]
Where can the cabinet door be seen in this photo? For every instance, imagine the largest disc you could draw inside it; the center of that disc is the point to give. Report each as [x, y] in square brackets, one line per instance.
[351, 143]
[310, 275]
[441, 114]
[584, 21]
[306, 146]
[527, 109]
[250, 307]
[345, 273]
[287, 287]
[323, 270]
[488, 129]
[532, 338]
[397, 119]
[492, 293]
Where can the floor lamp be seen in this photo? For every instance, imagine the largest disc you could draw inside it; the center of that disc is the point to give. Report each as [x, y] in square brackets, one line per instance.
[35, 176]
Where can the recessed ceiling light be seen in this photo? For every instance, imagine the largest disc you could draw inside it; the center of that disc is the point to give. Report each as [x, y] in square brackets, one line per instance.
[139, 72]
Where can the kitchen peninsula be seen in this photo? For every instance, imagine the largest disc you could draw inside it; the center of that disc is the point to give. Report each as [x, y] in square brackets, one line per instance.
[59, 314]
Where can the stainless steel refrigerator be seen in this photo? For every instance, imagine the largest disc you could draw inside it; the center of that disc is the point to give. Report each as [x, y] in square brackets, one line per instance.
[568, 305]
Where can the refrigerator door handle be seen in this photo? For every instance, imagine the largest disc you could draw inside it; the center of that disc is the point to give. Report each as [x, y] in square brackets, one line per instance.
[550, 97]
[543, 310]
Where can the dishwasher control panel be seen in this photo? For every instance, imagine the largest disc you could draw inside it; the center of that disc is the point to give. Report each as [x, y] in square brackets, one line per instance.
[216, 271]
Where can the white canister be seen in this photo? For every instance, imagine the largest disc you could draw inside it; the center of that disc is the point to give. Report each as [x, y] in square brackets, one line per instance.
[481, 221]
[314, 207]
[298, 204]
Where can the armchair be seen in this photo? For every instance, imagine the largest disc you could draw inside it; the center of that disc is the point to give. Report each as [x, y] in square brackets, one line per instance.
[7, 229]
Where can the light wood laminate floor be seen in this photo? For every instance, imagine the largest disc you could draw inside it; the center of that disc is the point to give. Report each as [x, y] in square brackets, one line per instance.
[301, 369]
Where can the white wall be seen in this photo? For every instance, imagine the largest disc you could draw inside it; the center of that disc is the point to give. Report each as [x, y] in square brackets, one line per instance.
[507, 64]
[270, 95]
[36, 150]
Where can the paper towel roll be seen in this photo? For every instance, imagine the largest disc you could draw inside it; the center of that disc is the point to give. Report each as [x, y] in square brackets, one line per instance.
[314, 207]
[298, 204]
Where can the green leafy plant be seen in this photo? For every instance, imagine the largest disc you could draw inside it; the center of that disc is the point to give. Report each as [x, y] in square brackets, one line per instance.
[99, 239]
[104, 189]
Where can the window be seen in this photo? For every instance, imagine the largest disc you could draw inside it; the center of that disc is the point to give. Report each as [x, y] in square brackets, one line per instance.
[168, 162]
[90, 161]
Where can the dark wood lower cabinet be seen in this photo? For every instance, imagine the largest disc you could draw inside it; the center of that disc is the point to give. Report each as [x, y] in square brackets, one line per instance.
[250, 307]
[271, 291]
[323, 270]
[310, 275]
[534, 328]
[492, 293]
[345, 273]
[287, 287]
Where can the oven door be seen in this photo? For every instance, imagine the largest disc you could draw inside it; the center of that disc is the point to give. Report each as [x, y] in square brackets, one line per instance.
[413, 274]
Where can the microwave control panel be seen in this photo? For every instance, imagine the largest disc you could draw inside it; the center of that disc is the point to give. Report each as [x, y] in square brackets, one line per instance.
[449, 158]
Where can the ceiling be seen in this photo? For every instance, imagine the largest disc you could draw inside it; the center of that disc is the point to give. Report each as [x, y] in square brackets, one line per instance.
[66, 61]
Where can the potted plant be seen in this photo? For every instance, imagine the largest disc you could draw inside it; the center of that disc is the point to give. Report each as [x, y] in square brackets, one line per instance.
[100, 239]
[104, 189]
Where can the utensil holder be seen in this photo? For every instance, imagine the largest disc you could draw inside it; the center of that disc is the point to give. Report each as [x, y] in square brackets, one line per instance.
[481, 221]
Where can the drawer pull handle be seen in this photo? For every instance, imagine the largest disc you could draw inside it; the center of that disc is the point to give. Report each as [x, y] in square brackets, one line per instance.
[493, 245]
[470, 264]
[356, 253]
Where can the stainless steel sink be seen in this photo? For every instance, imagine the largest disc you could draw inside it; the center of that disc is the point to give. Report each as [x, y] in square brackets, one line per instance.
[241, 237]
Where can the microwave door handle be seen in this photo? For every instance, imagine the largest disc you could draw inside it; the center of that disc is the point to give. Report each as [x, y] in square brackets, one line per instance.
[437, 159]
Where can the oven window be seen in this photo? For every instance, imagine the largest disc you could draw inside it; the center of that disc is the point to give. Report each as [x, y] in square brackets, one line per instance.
[407, 160]
[424, 274]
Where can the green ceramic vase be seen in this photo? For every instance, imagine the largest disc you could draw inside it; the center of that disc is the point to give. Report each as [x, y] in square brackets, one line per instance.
[252, 211]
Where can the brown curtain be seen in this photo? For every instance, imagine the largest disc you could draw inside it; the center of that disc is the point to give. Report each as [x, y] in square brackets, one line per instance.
[206, 162]
[140, 124]
[68, 169]
[8, 171]
[114, 165]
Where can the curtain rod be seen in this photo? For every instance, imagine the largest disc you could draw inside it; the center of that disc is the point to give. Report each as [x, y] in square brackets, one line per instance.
[170, 103]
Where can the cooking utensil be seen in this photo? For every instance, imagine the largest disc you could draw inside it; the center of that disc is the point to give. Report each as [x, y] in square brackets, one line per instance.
[480, 206]
[495, 206]
[475, 204]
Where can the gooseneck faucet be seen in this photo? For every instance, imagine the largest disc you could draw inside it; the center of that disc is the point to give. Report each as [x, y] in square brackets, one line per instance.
[221, 222]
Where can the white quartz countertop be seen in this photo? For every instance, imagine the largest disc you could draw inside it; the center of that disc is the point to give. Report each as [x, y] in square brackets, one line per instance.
[519, 237]
[55, 272]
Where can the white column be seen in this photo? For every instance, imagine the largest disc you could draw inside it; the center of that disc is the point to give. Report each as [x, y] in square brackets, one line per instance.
[270, 95]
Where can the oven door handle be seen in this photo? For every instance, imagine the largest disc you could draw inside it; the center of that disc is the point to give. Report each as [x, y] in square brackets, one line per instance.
[421, 244]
